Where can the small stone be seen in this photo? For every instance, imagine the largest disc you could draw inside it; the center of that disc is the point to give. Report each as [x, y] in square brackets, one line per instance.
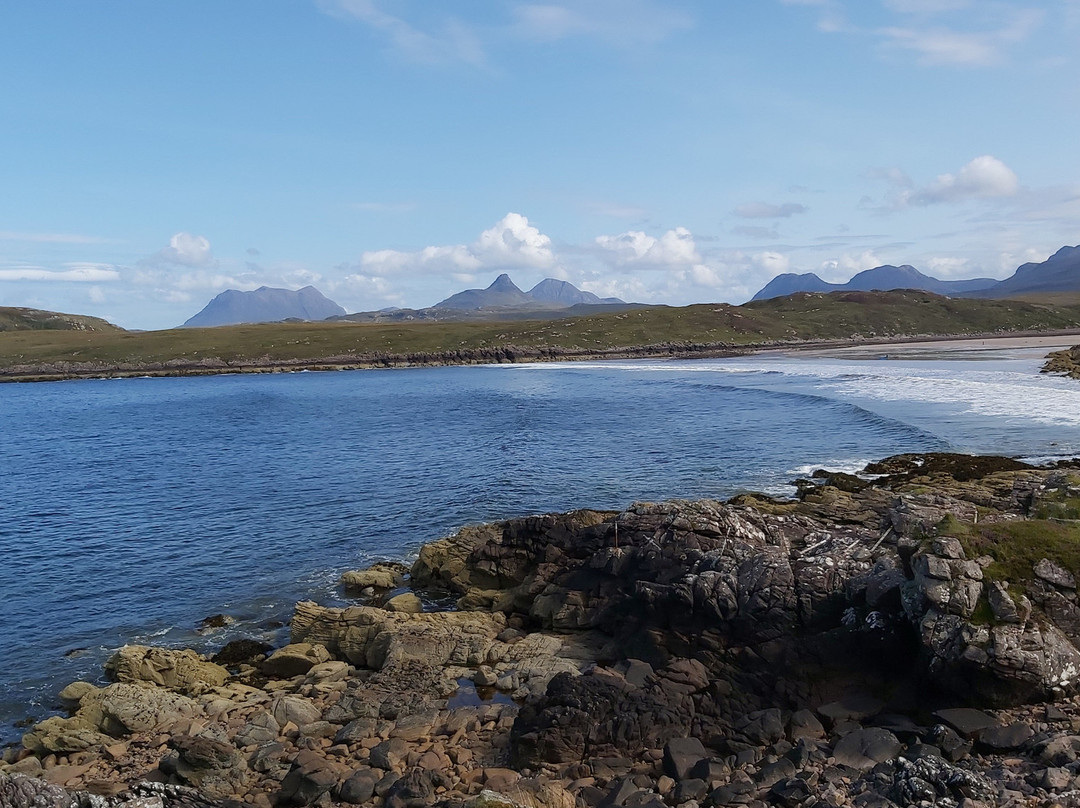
[863, 749]
[1053, 574]
[485, 677]
[1005, 738]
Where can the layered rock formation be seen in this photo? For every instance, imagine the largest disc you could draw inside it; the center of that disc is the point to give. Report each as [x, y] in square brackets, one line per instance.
[905, 637]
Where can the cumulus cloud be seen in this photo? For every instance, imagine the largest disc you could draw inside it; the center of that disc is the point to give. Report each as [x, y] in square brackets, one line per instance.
[841, 269]
[509, 244]
[514, 242]
[773, 262]
[187, 250]
[766, 210]
[76, 273]
[634, 246]
[985, 177]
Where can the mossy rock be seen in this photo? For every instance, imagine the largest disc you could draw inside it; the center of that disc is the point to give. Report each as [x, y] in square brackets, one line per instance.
[960, 467]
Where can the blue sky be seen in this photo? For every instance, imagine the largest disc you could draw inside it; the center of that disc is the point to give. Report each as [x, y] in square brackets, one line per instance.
[392, 152]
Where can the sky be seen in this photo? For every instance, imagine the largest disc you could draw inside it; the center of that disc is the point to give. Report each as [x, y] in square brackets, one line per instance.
[393, 152]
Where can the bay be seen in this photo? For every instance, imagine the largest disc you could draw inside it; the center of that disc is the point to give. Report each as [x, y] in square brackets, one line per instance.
[132, 509]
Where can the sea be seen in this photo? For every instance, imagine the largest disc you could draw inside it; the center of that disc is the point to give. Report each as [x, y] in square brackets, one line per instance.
[132, 510]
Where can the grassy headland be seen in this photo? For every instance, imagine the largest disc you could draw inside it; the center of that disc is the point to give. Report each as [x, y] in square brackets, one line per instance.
[19, 319]
[653, 331]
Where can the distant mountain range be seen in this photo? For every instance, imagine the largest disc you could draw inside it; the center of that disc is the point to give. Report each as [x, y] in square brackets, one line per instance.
[503, 293]
[265, 305]
[1059, 273]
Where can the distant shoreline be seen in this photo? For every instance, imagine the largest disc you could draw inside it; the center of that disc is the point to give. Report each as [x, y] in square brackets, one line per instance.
[509, 354]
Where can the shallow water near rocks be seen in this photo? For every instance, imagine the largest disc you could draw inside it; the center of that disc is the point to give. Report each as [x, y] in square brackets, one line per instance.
[131, 510]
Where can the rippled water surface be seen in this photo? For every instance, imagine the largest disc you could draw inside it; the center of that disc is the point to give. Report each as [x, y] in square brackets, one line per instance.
[132, 509]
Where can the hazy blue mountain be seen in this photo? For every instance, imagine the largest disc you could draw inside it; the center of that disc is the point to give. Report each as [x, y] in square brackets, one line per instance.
[880, 279]
[265, 305]
[789, 283]
[501, 293]
[1058, 273]
[549, 293]
[886, 278]
[564, 293]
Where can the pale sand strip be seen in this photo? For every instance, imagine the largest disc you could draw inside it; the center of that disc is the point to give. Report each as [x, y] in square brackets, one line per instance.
[928, 348]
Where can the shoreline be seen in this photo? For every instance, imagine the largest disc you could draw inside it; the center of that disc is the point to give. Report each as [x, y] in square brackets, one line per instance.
[68, 371]
[388, 703]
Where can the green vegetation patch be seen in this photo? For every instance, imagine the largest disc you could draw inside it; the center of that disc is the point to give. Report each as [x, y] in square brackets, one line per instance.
[662, 330]
[20, 319]
[1017, 546]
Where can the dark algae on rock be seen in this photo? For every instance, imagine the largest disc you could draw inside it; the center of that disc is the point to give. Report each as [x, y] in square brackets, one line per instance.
[906, 636]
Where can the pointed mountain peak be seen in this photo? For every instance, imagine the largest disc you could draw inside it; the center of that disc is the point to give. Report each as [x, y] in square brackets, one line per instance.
[503, 284]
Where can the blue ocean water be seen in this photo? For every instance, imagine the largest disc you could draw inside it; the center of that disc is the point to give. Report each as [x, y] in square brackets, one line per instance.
[132, 509]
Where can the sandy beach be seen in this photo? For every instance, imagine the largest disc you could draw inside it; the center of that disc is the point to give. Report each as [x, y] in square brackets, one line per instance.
[936, 348]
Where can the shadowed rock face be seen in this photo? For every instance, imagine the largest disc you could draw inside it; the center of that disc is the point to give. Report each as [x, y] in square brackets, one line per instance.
[785, 604]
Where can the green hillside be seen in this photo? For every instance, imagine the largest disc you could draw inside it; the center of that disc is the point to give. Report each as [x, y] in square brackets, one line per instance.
[645, 331]
[18, 319]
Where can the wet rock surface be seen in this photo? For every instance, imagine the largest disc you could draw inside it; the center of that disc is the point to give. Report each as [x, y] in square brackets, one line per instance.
[906, 637]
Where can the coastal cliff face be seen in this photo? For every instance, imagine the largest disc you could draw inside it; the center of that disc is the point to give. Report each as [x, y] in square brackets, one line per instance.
[905, 637]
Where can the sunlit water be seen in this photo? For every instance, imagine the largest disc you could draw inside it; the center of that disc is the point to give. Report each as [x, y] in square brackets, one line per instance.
[132, 509]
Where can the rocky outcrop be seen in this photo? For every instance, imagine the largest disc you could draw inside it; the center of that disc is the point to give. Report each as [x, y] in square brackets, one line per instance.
[181, 670]
[822, 651]
[1066, 362]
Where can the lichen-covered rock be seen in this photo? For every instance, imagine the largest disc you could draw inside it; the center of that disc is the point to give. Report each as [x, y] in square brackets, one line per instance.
[377, 576]
[374, 638]
[116, 710]
[294, 659]
[181, 670]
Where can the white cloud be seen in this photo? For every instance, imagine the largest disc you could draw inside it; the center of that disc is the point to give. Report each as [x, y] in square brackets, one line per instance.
[187, 250]
[840, 269]
[772, 262]
[514, 242]
[675, 247]
[939, 45]
[985, 177]
[766, 210]
[511, 243]
[946, 267]
[920, 28]
[77, 273]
